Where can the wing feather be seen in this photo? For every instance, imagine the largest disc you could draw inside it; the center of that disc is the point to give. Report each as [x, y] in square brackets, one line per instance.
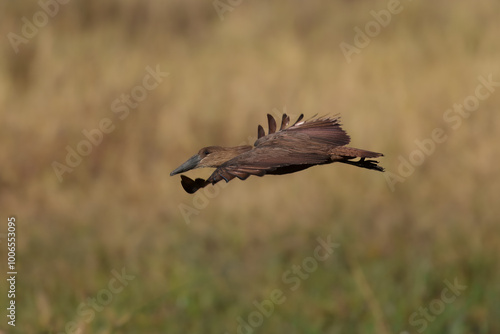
[298, 119]
[260, 132]
[272, 124]
[284, 121]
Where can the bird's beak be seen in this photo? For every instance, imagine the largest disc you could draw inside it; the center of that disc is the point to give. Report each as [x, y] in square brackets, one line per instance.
[188, 165]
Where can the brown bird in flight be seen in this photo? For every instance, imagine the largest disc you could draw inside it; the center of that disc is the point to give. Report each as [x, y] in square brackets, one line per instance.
[317, 141]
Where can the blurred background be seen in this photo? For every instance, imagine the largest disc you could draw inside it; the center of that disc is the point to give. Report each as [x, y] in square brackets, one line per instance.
[100, 101]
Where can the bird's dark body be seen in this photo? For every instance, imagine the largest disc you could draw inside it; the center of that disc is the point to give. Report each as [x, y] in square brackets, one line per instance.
[304, 144]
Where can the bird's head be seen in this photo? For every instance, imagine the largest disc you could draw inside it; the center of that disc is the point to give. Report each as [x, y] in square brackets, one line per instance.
[210, 156]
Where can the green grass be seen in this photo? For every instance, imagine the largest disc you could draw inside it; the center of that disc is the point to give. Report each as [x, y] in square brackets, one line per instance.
[120, 208]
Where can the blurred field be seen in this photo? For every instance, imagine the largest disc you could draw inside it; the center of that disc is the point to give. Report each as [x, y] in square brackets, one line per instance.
[120, 208]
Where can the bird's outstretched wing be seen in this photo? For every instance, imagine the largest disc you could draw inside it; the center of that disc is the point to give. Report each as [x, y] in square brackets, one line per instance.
[288, 150]
[326, 130]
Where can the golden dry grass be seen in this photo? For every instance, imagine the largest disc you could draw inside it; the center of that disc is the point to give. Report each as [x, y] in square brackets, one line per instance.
[120, 209]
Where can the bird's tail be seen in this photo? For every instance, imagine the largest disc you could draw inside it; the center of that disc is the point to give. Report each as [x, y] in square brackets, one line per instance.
[346, 155]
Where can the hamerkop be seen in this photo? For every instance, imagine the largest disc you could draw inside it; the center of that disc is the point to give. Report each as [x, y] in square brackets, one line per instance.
[317, 141]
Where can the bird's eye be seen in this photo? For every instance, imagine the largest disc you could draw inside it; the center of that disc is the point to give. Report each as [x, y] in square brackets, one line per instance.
[206, 152]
